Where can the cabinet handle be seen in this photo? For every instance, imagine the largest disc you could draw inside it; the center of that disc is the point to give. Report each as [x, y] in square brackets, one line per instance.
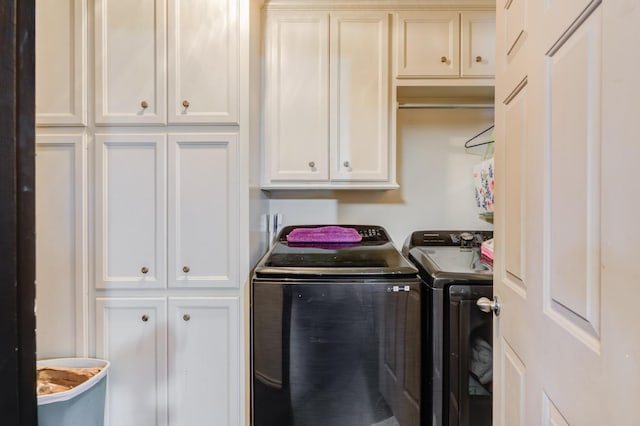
[144, 104]
[312, 164]
[346, 164]
[478, 58]
[185, 269]
[145, 318]
[144, 270]
[186, 317]
[185, 103]
[443, 59]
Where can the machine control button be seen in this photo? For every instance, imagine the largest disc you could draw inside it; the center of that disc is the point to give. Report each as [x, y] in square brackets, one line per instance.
[467, 239]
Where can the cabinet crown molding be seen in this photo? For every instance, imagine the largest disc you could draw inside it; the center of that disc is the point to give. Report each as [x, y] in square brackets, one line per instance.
[393, 5]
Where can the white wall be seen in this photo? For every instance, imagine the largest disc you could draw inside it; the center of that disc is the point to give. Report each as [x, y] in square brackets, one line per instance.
[434, 173]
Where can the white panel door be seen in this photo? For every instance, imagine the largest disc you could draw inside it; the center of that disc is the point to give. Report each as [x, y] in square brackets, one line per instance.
[203, 61]
[359, 96]
[203, 210]
[61, 81]
[130, 226]
[427, 44]
[566, 346]
[477, 44]
[204, 361]
[296, 104]
[130, 62]
[131, 335]
[61, 245]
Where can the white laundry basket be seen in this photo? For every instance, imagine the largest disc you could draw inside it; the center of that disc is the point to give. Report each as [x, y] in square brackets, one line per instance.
[82, 405]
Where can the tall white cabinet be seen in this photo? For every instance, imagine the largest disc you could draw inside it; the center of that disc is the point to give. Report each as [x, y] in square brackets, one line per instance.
[143, 216]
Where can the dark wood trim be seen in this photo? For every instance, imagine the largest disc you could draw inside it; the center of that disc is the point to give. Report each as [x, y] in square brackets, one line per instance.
[18, 405]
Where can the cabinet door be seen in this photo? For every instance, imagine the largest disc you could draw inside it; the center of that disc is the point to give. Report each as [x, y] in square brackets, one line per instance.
[130, 211]
[204, 363]
[203, 61]
[296, 107]
[478, 44]
[203, 210]
[61, 249]
[131, 335]
[130, 62]
[60, 68]
[427, 44]
[359, 96]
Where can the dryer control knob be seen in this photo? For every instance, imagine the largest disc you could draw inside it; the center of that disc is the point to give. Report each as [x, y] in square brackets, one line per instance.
[466, 239]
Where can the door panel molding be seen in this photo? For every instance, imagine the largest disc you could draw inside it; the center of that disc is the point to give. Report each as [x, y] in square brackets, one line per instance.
[572, 284]
[550, 413]
[515, 133]
[512, 386]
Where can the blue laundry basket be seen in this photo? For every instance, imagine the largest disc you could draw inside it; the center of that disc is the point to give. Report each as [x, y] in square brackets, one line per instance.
[82, 405]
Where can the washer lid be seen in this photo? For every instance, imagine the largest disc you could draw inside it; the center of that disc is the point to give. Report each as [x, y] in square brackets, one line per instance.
[451, 264]
[375, 255]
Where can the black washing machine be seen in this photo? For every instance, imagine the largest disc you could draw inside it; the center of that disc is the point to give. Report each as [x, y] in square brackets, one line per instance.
[335, 331]
[457, 336]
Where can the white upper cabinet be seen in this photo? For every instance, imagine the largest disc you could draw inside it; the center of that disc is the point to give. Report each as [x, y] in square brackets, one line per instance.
[61, 83]
[437, 44]
[326, 104]
[296, 103]
[359, 92]
[136, 68]
[203, 61]
[428, 44]
[478, 44]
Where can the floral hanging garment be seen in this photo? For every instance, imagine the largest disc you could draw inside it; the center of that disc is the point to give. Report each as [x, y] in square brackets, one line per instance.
[483, 178]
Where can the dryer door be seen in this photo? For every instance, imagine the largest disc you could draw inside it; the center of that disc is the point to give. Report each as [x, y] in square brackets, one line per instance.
[470, 362]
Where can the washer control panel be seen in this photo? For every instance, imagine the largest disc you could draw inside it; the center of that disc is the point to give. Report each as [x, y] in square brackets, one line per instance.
[449, 238]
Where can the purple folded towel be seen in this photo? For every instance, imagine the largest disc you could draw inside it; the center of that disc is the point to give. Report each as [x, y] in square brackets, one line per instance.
[324, 234]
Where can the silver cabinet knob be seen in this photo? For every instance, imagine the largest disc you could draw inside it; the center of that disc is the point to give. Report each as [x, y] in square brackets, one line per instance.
[144, 104]
[487, 305]
[185, 269]
[478, 58]
[144, 270]
[443, 59]
[185, 103]
[145, 318]
[312, 164]
[186, 317]
[346, 164]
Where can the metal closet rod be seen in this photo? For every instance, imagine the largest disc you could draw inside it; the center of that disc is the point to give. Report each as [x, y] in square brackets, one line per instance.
[445, 106]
